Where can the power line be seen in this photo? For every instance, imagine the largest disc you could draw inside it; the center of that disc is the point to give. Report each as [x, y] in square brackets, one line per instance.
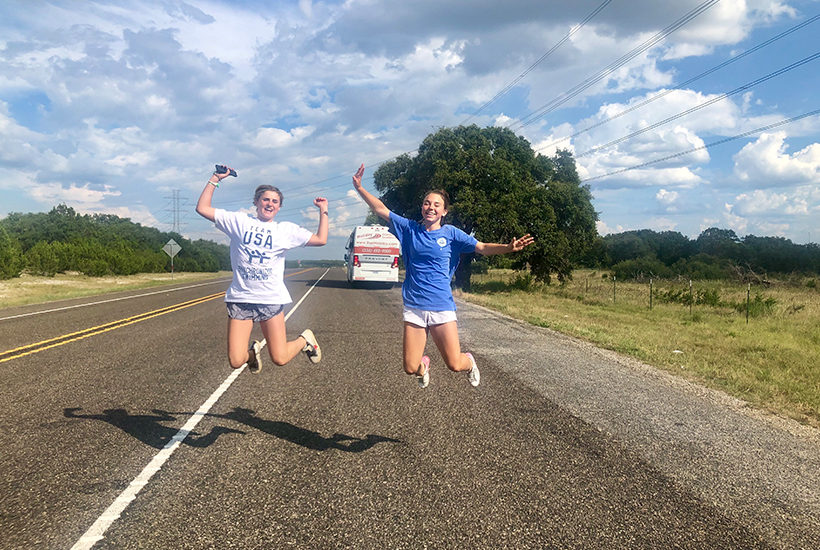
[701, 105]
[684, 84]
[623, 60]
[509, 86]
[707, 146]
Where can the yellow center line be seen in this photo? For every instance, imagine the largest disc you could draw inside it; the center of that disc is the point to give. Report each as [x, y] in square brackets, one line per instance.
[299, 272]
[99, 329]
[82, 334]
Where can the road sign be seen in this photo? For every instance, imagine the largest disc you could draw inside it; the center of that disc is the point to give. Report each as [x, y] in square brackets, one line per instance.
[172, 248]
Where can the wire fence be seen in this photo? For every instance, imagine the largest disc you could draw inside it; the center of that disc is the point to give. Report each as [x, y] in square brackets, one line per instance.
[693, 296]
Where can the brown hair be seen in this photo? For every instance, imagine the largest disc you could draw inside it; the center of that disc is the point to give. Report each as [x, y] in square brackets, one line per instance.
[262, 188]
[443, 195]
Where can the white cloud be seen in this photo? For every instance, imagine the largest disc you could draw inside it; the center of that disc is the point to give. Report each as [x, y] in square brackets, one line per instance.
[604, 229]
[661, 224]
[772, 229]
[274, 138]
[307, 7]
[138, 158]
[138, 214]
[765, 162]
[665, 197]
[613, 121]
[758, 202]
[797, 201]
[736, 223]
[78, 196]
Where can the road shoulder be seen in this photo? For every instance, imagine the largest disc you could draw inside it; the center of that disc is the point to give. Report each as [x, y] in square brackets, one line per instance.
[757, 468]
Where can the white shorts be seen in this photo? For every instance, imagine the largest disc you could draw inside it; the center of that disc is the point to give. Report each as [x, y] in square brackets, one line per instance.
[424, 318]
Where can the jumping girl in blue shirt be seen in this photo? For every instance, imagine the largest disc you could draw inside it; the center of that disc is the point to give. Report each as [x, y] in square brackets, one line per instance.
[431, 252]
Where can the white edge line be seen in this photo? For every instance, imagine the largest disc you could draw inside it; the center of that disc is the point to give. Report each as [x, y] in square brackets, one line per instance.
[111, 300]
[96, 532]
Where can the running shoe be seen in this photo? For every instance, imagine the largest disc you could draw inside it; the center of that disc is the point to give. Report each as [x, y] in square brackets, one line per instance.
[473, 375]
[311, 348]
[255, 357]
[424, 378]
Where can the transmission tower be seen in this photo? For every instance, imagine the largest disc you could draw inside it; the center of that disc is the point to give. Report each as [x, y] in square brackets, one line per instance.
[176, 223]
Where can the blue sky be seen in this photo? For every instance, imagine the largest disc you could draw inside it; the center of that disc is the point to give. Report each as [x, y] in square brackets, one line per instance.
[119, 107]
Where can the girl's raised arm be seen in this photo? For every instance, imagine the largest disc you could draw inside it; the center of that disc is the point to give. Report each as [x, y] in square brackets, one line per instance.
[373, 202]
[203, 205]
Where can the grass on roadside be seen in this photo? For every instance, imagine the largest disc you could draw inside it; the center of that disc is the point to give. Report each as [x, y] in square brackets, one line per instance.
[28, 289]
[772, 362]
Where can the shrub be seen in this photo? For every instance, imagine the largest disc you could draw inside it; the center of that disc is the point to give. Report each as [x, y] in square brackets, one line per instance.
[703, 266]
[697, 297]
[94, 267]
[11, 256]
[758, 306]
[41, 259]
[523, 281]
[480, 266]
[641, 269]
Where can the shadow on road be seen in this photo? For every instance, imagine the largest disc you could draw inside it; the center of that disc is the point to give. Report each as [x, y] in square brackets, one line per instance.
[303, 437]
[149, 429]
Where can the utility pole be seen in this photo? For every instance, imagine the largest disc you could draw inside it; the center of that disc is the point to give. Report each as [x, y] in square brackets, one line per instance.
[176, 225]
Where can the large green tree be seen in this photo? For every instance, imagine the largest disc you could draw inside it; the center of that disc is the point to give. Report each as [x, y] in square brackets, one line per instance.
[500, 189]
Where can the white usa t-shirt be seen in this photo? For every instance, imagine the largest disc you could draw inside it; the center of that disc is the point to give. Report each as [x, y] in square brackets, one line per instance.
[258, 256]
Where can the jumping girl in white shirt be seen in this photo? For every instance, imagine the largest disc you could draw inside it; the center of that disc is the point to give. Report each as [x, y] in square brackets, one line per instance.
[257, 291]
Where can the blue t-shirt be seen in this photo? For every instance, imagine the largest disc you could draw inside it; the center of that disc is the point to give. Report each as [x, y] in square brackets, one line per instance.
[430, 260]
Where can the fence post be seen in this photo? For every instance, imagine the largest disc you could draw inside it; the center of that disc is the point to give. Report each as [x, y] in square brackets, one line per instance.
[613, 289]
[650, 294]
[748, 297]
[690, 297]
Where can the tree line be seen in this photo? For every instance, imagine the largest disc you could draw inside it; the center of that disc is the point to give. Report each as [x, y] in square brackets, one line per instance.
[100, 244]
[714, 254]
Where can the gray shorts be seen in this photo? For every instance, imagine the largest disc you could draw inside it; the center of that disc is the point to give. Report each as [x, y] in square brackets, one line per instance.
[253, 312]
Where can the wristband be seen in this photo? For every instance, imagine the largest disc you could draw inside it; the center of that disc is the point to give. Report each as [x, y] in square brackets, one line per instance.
[325, 213]
[214, 183]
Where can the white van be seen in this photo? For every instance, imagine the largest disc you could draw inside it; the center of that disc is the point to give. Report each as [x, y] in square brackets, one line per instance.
[372, 255]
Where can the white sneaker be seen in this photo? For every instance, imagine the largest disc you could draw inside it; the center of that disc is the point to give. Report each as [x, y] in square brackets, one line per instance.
[311, 349]
[424, 378]
[255, 357]
[473, 375]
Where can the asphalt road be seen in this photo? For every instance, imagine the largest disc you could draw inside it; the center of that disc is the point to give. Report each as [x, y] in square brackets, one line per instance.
[561, 446]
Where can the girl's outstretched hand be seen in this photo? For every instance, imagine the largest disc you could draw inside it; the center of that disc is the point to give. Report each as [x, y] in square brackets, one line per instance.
[520, 243]
[357, 177]
[320, 203]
